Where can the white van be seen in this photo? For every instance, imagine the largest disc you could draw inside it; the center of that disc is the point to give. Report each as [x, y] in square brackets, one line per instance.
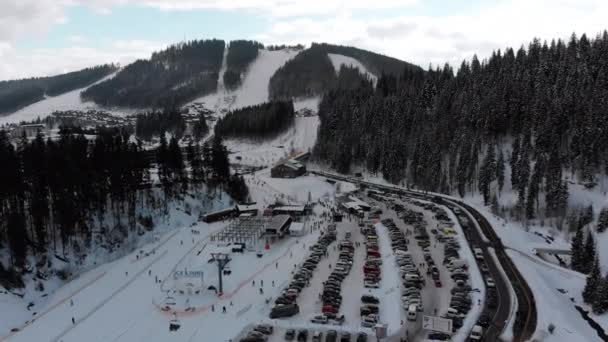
[478, 253]
[412, 313]
[476, 333]
[455, 263]
[411, 277]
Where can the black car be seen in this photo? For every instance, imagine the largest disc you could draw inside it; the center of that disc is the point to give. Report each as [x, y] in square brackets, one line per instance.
[345, 337]
[367, 299]
[290, 334]
[484, 321]
[331, 336]
[284, 311]
[439, 336]
[361, 337]
[302, 335]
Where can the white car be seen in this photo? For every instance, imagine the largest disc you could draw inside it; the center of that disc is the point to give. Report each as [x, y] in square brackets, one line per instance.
[369, 321]
[371, 284]
[490, 282]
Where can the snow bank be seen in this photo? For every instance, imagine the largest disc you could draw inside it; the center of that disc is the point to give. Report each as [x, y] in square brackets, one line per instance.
[339, 60]
[507, 334]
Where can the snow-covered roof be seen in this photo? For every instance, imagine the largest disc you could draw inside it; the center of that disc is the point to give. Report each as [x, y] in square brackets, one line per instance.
[246, 207]
[277, 222]
[296, 227]
[359, 202]
[351, 205]
[290, 208]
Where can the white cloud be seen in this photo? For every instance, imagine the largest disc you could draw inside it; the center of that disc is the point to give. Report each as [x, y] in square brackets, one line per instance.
[425, 39]
[415, 38]
[42, 62]
[279, 8]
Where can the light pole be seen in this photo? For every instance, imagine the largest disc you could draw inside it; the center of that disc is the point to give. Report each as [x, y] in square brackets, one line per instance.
[221, 259]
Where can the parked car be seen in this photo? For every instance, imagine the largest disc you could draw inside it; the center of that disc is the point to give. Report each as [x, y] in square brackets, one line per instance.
[290, 334]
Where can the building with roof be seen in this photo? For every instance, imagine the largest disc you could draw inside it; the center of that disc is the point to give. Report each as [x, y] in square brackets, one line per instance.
[278, 225]
[28, 130]
[288, 169]
[252, 209]
[291, 210]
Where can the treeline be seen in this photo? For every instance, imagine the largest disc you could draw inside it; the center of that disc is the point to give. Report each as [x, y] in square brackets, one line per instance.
[311, 72]
[57, 196]
[585, 258]
[540, 109]
[283, 47]
[148, 125]
[17, 94]
[168, 79]
[153, 124]
[308, 74]
[373, 62]
[263, 121]
[240, 54]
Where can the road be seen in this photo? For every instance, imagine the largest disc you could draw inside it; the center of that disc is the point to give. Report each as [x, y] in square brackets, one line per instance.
[526, 316]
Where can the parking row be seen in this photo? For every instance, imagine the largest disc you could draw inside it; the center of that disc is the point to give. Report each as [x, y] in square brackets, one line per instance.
[285, 305]
[331, 297]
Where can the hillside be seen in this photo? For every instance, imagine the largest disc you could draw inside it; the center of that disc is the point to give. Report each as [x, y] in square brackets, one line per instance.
[170, 78]
[523, 131]
[17, 94]
[241, 53]
[309, 73]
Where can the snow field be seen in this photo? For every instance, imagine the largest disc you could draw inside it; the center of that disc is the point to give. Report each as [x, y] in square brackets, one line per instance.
[553, 306]
[301, 137]
[254, 87]
[339, 60]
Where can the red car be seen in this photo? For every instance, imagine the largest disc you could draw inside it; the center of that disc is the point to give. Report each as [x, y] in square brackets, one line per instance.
[329, 309]
[373, 253]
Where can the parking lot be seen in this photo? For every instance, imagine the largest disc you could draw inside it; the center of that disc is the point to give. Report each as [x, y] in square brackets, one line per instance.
[398, 263]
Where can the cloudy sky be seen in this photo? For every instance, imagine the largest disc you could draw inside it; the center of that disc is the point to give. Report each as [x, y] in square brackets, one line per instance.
[45, 37]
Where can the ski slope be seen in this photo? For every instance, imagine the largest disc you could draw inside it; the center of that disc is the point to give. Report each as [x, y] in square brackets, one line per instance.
[339, 60]
[299, 138]
[254, 87]
[68, 101]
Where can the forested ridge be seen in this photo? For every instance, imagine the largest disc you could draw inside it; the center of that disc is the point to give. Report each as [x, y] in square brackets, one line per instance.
[59, 195]
[263, 121]
[16, 94]
[311, 72]
[168, 79]
[240, 55]
[540, 110]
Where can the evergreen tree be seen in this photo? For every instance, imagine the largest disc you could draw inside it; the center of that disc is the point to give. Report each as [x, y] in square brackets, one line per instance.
[594, 279]
[589, 254]
[576, 250]
[219, 159]
[500, 170]
[487, 174]
[600, 300]
[602, 222]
